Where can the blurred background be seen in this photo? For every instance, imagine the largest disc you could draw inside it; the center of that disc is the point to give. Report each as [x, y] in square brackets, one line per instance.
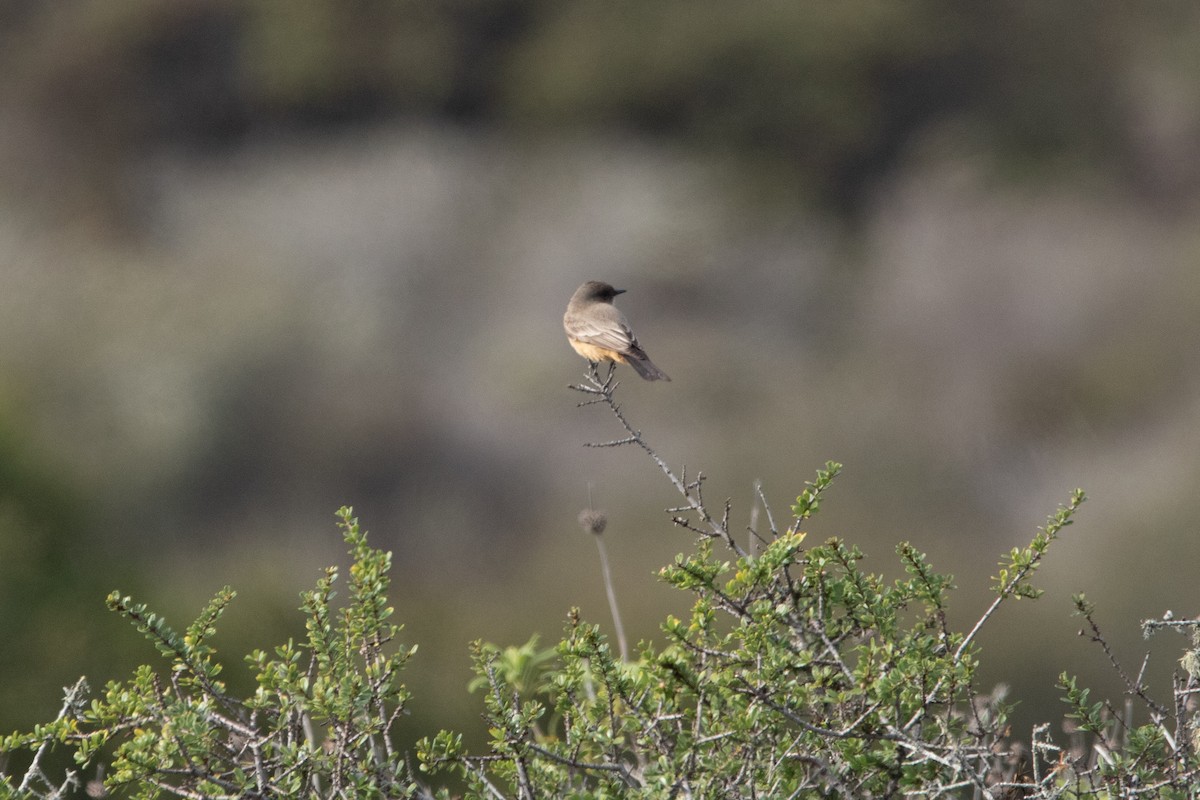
[261, 259]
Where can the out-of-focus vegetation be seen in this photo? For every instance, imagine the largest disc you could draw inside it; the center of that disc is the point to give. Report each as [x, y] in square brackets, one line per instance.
[260, 259]
[48, 614]
[823, 98]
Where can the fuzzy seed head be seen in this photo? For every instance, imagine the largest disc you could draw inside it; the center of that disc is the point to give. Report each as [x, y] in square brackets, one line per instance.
[593, 521]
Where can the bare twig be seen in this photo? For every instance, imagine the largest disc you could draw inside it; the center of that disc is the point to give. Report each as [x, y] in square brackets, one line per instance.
[1151, 626]
[1130, 686]
[71, 699]
[602, 390]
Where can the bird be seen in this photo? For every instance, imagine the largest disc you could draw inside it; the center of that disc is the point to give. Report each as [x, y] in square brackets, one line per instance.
[599, 331]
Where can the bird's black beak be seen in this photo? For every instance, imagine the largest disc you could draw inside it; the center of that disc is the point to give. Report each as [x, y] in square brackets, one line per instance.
[618, 291]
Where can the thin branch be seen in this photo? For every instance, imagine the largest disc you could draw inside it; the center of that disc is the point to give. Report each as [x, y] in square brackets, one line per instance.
[612, 599]
[1130, 686]
[602, 390]
[620, 769]
[71, 699]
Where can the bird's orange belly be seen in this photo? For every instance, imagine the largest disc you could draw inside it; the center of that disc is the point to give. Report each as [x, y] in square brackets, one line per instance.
[593, 353]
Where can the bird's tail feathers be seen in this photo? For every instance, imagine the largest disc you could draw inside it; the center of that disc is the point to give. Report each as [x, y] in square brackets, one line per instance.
[645, 367]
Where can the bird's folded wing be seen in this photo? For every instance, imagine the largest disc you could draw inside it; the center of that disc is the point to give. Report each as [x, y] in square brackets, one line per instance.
[609, 334]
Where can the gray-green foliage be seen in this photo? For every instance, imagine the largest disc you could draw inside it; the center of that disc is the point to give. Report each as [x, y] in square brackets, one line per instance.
[800, 675]
[796, 674]
[319, 724]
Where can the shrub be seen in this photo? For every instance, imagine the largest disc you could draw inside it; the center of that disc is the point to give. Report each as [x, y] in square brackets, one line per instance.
[796, 674]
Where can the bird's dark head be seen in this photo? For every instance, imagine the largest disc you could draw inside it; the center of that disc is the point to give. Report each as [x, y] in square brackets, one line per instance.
[598, 290]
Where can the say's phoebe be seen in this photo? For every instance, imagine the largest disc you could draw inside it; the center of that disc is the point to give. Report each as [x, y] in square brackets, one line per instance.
[599, 332]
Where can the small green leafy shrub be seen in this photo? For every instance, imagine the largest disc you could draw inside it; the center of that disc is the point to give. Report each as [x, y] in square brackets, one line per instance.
[319, 724]
[797, 674]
